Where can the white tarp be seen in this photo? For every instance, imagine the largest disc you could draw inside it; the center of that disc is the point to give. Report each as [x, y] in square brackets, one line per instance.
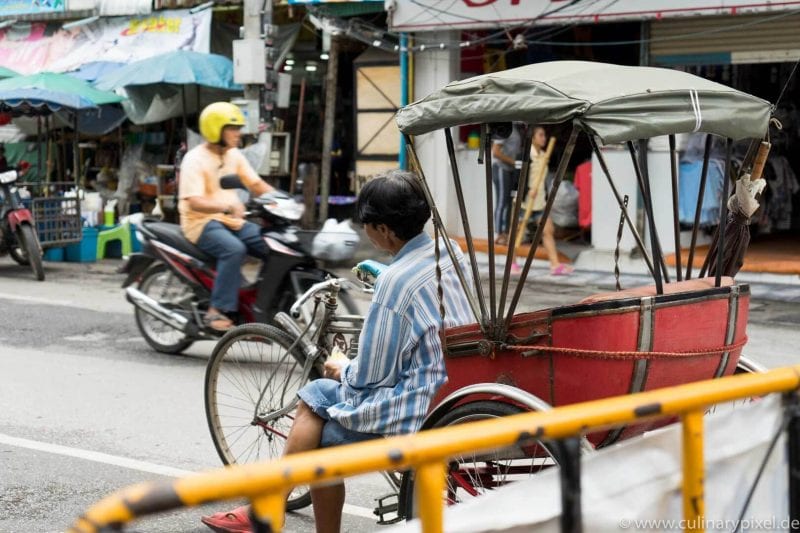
[35, 47]
[635, 484]
[435, 15]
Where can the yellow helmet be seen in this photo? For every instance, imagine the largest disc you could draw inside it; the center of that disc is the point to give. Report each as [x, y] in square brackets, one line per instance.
[216, 116]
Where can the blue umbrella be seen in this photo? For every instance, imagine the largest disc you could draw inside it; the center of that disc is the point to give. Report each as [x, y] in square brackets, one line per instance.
[43, 100]
[95, 70]
[181, 67]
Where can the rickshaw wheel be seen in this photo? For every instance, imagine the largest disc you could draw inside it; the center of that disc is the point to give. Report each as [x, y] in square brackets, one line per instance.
[471, 475]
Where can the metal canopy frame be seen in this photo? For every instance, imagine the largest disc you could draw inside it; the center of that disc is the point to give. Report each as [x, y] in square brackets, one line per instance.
[492, 316]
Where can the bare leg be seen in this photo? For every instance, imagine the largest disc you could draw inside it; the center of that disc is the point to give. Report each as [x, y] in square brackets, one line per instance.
[306, 431]
[328, 501]
[549, 242]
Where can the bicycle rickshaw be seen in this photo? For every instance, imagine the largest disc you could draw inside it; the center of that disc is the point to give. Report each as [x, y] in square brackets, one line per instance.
[507, 361]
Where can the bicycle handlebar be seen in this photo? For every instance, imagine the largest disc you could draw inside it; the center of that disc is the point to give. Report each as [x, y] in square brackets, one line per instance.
[314, 289]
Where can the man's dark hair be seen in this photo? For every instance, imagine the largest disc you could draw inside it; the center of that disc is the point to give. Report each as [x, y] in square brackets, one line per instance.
[395, 199]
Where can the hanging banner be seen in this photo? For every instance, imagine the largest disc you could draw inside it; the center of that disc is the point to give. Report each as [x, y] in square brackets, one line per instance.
[34, 47]
[432, 15]
[30, 7]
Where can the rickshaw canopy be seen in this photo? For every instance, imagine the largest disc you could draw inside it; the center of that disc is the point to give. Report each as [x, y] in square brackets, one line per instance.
[614, 102]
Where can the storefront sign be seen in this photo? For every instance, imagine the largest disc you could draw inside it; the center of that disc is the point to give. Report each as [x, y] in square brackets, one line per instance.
[30, 7]
[429, 15]
[36, 46]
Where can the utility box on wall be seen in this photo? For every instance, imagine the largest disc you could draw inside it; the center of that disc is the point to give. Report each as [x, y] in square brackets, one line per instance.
[249, 109]
[249, 62]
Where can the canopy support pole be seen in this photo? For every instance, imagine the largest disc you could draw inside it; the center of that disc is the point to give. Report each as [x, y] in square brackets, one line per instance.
[562, 170]
[465, 221]
[631, 226]
[644, 186]
[487, 166]
[676, 225]
[515, 209]
[723, 215]
[417, 168]
[698, 209]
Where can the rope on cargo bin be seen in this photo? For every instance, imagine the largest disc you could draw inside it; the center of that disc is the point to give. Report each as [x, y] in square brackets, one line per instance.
[621, 354]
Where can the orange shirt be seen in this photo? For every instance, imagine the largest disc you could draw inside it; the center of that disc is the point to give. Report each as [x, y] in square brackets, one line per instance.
[201, 170]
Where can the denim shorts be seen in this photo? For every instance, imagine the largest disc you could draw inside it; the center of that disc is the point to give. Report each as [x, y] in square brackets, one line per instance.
[321, 394]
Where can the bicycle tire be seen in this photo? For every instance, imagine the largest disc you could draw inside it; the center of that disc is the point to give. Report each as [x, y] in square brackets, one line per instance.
[231, 419]
[471, 479]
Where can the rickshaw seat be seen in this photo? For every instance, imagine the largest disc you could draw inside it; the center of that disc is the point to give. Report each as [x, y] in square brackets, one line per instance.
[650, 290]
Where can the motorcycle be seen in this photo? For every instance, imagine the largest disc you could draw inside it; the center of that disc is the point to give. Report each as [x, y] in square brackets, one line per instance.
[173, 277]
[17, 234]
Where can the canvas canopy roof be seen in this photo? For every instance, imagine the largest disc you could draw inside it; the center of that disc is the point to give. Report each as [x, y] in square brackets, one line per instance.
[616, 103]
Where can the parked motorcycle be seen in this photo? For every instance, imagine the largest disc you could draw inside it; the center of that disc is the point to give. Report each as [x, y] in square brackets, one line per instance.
[17, 231]
[174, 277]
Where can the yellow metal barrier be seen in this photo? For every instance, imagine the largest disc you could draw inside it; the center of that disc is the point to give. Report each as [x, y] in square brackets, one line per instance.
[266, 484]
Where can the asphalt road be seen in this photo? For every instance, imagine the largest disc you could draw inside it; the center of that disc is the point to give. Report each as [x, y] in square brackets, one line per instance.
[86, 407]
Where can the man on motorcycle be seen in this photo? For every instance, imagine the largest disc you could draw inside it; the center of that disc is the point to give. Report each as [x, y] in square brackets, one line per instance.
[388, 387]
[213, 217]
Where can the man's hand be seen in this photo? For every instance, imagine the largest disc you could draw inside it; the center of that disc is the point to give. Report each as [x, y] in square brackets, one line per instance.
[237, 210]
[333, 369]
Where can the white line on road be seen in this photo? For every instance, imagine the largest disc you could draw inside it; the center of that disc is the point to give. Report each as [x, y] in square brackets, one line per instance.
[133, 464]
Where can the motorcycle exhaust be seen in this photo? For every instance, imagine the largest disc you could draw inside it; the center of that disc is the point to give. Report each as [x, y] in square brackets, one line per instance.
[156, 310]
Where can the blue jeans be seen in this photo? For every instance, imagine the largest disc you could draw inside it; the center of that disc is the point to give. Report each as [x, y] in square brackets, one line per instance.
[321, 394]
[504, 181]
[230, 247]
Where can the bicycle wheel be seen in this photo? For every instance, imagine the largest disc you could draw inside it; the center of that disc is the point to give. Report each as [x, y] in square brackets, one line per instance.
[250, 377]
[472, 475]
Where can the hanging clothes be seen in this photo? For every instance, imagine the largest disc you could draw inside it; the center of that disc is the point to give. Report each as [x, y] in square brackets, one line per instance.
[782, 185]
[583, 182]
[689, 188]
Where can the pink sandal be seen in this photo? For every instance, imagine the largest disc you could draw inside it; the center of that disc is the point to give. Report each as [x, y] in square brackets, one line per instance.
[561, 270]
[235, 521]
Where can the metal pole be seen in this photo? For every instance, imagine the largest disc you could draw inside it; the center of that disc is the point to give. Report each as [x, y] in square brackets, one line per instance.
[793, 456]
[251, 25]
[465, 221]
[487, 165]
[298, 129]
[562, 170]
[694, 508]
[723, 216]
[404, 68]
[676, 225]
[638, 238]
[569, 462]
[650, 219]
[327, 132]
[515, 207]
[698, 209]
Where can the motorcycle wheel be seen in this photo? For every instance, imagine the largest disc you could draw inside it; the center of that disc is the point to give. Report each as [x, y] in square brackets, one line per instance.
[28, 251]
[161, 285]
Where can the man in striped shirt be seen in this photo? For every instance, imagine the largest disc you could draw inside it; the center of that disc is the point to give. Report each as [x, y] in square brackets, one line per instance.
[387, 389]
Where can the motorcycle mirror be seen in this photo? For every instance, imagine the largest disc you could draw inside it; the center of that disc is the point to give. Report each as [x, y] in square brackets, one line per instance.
[231, 181]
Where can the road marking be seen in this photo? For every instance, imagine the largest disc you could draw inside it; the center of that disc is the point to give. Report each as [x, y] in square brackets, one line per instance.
[111, 308]
[133, 464]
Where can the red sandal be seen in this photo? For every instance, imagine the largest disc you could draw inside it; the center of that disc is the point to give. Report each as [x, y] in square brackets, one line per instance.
[235, 521]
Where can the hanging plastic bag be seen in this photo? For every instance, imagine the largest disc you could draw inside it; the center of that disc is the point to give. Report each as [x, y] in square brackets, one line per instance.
[336, 241]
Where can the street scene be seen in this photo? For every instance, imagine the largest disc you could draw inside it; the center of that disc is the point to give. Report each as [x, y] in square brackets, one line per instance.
[311, 265]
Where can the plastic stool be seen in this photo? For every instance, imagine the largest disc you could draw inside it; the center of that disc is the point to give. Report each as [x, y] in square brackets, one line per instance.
[121, 233]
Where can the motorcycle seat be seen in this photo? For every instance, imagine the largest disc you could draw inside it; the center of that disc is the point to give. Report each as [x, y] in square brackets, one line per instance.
[172, 235]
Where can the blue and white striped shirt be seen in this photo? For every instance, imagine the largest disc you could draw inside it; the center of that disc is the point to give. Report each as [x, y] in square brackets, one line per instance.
[388, 387]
